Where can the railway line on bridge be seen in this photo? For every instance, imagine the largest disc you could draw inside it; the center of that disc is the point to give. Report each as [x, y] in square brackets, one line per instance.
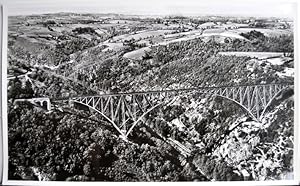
[126, 109]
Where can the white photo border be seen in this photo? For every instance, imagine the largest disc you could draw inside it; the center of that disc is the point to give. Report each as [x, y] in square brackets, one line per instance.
[4, 127]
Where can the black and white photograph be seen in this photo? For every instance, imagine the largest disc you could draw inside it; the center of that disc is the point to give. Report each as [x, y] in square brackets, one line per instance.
[149, 91]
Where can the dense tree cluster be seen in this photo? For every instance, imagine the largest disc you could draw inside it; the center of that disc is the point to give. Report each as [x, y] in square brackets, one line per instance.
[17, 89]
[260, 42]
[42, 84]
[83, 30]
[64, 146]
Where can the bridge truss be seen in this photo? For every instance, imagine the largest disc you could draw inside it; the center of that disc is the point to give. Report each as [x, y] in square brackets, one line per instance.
[125, 110]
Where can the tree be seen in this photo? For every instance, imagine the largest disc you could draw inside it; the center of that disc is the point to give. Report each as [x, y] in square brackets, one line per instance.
[15, 89]
[28, 91]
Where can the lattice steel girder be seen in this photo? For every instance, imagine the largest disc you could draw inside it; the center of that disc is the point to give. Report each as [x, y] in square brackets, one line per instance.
[124, 107]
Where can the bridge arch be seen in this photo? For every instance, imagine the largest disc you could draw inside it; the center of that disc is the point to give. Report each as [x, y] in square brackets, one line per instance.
[140, 118]
[124, 134]
[271, 101]
[44, 104]
[107, 118]
[240, 105]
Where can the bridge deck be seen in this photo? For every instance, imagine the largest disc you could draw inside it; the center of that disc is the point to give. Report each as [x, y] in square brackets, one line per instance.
[168, 90]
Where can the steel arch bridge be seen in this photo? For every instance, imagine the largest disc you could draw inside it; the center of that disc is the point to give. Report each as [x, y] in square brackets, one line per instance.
[125, 110]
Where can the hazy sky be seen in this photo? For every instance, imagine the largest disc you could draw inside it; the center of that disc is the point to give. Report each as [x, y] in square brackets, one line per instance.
[155, 7]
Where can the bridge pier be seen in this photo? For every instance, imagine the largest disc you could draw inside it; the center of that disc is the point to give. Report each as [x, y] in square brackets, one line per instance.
[43, 102]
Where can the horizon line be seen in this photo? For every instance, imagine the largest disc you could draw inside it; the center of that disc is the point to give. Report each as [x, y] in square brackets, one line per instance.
[155, 14]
